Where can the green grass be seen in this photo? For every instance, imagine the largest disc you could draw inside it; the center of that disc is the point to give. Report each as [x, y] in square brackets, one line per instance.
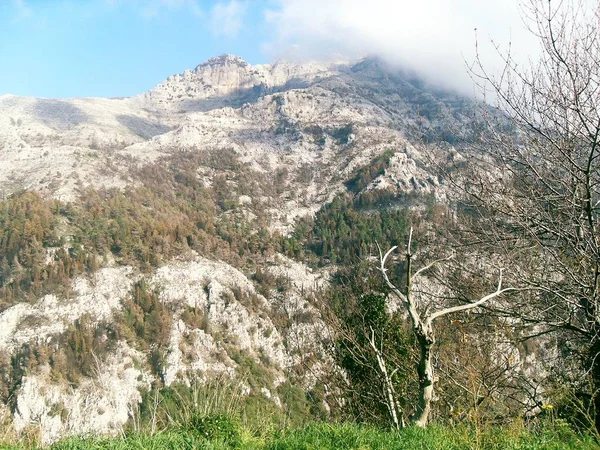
[222, 433]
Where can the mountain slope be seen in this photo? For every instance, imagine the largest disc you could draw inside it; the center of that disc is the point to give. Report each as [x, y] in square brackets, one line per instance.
[160, 254]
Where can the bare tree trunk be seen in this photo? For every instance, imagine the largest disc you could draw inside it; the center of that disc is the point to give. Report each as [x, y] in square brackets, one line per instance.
[426, 379]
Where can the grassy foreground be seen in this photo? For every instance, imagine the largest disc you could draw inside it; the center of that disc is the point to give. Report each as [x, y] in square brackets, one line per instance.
[220, 433]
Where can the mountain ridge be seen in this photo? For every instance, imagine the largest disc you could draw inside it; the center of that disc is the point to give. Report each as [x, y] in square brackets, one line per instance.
[141, 129]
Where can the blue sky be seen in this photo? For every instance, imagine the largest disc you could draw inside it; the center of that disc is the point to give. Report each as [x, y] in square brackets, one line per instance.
[112, 48]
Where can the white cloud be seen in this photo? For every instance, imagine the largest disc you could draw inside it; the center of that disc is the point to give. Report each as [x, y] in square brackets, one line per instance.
[432, 37]
[227, 18]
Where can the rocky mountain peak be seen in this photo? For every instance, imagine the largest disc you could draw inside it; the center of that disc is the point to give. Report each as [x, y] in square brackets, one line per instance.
[228, 79]
[222, 61]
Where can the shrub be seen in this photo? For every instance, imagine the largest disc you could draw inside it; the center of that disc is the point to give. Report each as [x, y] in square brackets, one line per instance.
[218, 427]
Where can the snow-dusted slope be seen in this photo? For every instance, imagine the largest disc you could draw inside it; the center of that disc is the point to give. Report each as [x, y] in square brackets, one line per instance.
[315, 122]
[53, 145]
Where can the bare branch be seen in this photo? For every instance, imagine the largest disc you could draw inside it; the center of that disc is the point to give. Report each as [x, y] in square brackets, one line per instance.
[468, 306]
[430, 265]
[383, 270]
[389, 387]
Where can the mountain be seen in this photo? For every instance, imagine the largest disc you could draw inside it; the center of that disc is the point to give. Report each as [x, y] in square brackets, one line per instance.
[152, 240]
[281, 113]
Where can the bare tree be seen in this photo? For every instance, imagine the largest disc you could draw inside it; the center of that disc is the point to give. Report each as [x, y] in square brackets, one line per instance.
[533, 190]
[422, 325]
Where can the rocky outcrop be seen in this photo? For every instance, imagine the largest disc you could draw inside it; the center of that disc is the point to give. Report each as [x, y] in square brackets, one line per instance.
[236, 317]
[315, 123]
[229, 80]
[98, 405]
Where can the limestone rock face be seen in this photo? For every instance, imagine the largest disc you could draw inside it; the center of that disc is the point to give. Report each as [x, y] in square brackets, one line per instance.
[319, 119]
[104, 402]
[228, 78]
